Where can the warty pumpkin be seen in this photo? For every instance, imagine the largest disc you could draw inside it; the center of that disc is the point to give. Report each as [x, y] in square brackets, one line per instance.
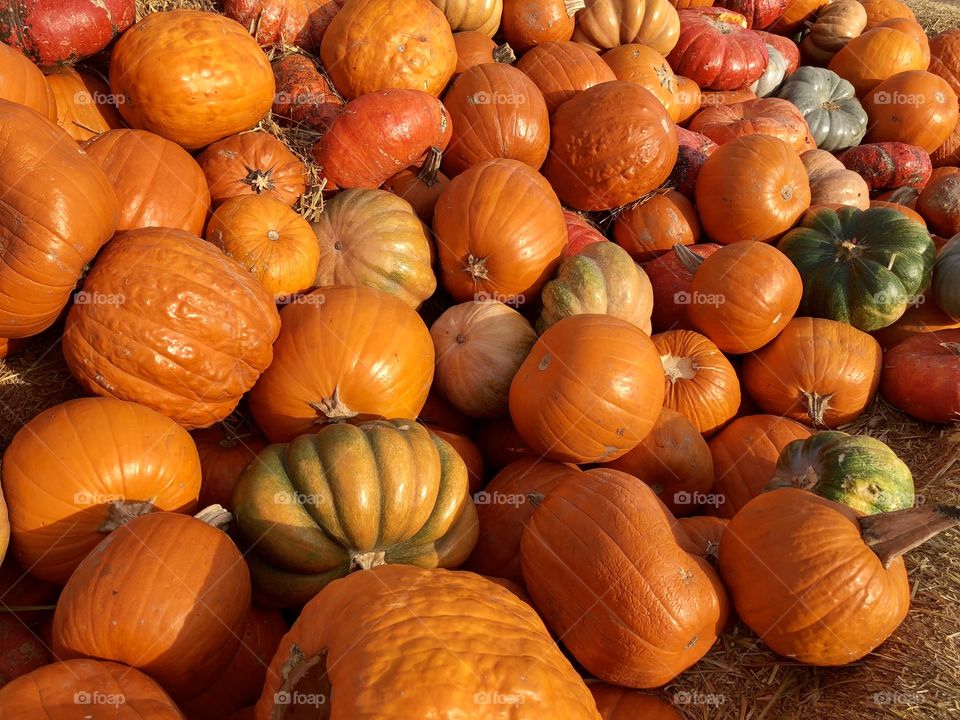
[304, 95]
[479, 348]
[296, 22]
[50, 230]
[617, 703]
[646, 67]
[479, 646]
[938, 201]
[716, 50]
[692, 154]
[914, 107]
[225, 449]
[563, 69]
[527, 23]
[759, 14]
[831, 182]
[651, 226]
[835, 25]
[869, 59]
[889, 165]
[84, 105]
[819, 372]
[921, 376]
[828, 104]
[603, 530]
[109, 609]
[254, 163]
[763, 116]
[603, 24]
[335, 361]
[589, 391]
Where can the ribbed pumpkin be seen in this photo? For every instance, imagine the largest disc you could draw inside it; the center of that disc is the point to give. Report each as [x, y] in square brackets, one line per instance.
[818, 372]
[22, 82]
[580, 233]
[526, 23]
[225, 450]
[831, 182]
[889, 165]
[500, 232]
[51, 229]
[563, 69]
[372, 238]
[920, 376]
[172, 323]
[835, 25]
[763, 116]
[617, 703]
[633, 146]
[479, 15]
[354, 497]
[745, 455]
[589, 391]
[653, 225]
[254, 163]
[645, 66]
[334, 360]
[605, 534]
[479, 347]
[83, 103]
[470, 454]
[914, 107]
[603, 24]
[109, 609]
[156, 181]
[480, 649]
[161, 69]
[114, 460]
[922, 317]
[270, 240]
[475, 48]
[717, 51]
[869, 59]
[674, 460]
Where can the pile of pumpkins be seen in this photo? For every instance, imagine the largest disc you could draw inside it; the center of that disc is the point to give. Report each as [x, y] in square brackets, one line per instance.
[560, 362]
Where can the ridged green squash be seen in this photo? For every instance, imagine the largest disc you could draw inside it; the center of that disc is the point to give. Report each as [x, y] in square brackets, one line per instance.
[946, 278]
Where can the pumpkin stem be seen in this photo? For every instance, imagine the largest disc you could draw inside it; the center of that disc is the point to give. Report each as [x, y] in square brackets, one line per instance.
[307, 677]
[258, 180]
[216, 515]
[332, 408]
[903, 195]
[892, 534]
[477, 267]
[816, 406]
[367, 560]
[431, 166]
[123, 511]
[574, 6]
[535, 499]
[504, 54]
[951, 347]
[689, 259]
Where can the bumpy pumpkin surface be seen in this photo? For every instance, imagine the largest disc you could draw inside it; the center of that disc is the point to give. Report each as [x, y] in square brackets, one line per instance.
[603, 24]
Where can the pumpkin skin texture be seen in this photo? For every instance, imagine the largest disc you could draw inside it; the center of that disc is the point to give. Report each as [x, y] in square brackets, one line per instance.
[752, 188]
[922, 317]
[674, 460]
[836, 24]
[304, 95]
[474, 48]
[479, 15]
[378, 135]
[333, 362]
[861, 267]
[353, 497]
[819, 372]
[108, 608]
[156, 181]
[48, 231]
[497, 112]
[254, 163]
[687, 99]
[159, 277]
[601, 279]
[526, 24]
[669, 605]
[421, 187]
[914, 107]
[759, 14]
[856, 470]
[938, 202]
[633, 141]
[829, 105]
[22, 82]
[372, 238]
[605, 24]
[945, 279]
[114, 460]
[161, 69]
[889, 165]
[564, 69]
[763, 116]
[503, 509]
[773, 75]
[51, 692]
[648, 68]
[716, 50]
[224, 453]
[743, 296]
[500, 232]
[361, 48]
[655, 224]
[745, 455]
[470, 454]
[692, 154]
[298, 22]
[589, 391]
[700, 382]
[869, 59]
[580, 233]
[851, 603]
[881, 11]
[479, 348]
[671, 289]
[920, 376]
[21, 651]
[83, 104]
[616, 703]
[830, 181]
[473, 635]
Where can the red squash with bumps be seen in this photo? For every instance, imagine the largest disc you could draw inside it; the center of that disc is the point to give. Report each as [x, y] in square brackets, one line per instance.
[716, 50]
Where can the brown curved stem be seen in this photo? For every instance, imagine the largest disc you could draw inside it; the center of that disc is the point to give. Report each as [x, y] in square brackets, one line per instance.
[903, 195]
[431, 166]
[123, 511]
[892, 534]
[504, 54]
[689, 259]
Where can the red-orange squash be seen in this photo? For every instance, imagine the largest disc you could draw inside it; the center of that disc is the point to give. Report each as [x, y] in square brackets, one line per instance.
[419, 186]
[475, 48]
[920, 376]
[224, 450]
[654, 224]
[526, 23]
[22, 82]
[563, 69]
[763, 116]
[254, 163]
[716, 50]
[648, 68]
[617, 703]
[305, 97]
[939, 202]
[296, 22]
[671, 281]
[85, 107]
[922, 316]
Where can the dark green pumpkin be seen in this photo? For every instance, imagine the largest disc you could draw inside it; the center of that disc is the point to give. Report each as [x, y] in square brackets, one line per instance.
[856, 470]
[861, 267]
[348, 498]
[946, 278]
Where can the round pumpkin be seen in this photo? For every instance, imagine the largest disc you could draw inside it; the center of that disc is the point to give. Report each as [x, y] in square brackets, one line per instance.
[224, 450]
[828, 104]
[22, 82]
[477, 15]
[589, 391]
[653, 225]
[603, 24]
[160, 72]
[920, 376]
[674, 460]
[500, 232]
[254, 163]
[51, 229]
[880, 11]
[830, 181]
[633, 145]
[835, 25]
[372, 238]
[752, 188]
[419, 186]
[561, 70]
[109, 609]
[648, 68]
[372, 45]
[716, 50]
[869, 59]
[819, 372]
[474, 48]
[527, 23]
[617, 703]
[912, 28]
[85, 107]
[671, 281]
[745, 455]
[938, 202]
[479, 348]
[914, 107]
[335, 360]
[763, 116]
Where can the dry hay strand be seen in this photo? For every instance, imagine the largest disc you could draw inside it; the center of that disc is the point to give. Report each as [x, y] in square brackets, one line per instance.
[935, 17]
[145, 7]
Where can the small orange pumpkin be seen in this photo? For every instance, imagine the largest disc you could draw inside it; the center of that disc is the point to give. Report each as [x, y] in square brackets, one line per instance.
[85, 106]
[254, 163]
[653, 225]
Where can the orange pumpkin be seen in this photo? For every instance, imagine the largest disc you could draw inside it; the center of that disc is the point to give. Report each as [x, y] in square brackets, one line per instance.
[603, 24]
[648, 68]
[469, 453]
[85, 107]
[419, 186]
[797, 13]
[224, 451]
[653, 225]
[705, 533]
[688, 99]
[157, 182]
[881, 11]
[869, 59]
[476, 48]
[22, 82]
[159, 71]
[617, 703]
[589, 391]
[913, 29]
[922, 316]
[939, 201]
[945, 57]
[563, 69]
[353, 370]
[437, 412]
[914, 107]
[526, 23]
[763, 116]
[835, 25]
[817, 371]
[254, 163]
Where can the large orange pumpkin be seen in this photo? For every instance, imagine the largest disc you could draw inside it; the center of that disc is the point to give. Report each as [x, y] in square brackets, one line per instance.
[589, 391]
[344, 353]
[58, 210]
[254, 163]
[654, 224]
[563, 69]
[870, 58]
[85, 107]
[169, 321]
[914, 107]
[156, 181]
[763, 116]
[22, 82]
[603, 24]
[113, 461]
[160, 70]
[617, 703]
